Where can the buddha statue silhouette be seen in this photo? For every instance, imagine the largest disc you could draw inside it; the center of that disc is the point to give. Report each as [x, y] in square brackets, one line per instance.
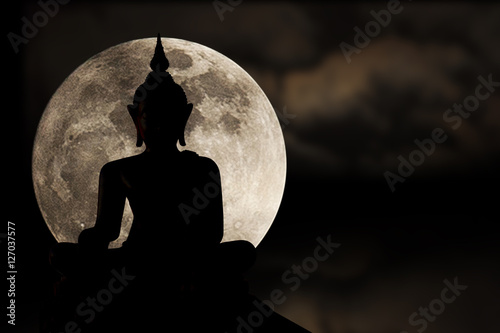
[165, 244]
[181, 276]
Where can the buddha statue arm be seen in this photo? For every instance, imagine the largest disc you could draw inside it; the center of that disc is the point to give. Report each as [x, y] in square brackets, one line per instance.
[111, 202]
[207, 227]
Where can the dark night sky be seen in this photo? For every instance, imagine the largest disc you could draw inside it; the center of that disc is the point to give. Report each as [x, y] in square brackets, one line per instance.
[348, 124]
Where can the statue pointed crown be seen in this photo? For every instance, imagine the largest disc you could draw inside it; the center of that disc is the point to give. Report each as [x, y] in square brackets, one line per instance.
[159, 63]
[161, 95]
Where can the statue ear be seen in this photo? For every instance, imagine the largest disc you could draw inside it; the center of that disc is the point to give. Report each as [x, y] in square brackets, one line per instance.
[134, 112]
[187, 113]
[139, 141]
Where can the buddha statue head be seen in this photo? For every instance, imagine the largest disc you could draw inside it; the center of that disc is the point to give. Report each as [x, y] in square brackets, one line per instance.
[160, 109]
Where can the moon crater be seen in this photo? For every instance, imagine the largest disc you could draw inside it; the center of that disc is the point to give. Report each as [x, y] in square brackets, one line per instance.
[179, 59]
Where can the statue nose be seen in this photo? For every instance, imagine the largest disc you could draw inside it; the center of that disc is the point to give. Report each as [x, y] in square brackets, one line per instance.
[160, 131]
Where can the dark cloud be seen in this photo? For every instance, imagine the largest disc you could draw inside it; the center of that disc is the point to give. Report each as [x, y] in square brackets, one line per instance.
[396, 90]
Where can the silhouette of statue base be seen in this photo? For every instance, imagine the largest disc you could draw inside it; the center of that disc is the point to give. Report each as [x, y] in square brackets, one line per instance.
[126, 296]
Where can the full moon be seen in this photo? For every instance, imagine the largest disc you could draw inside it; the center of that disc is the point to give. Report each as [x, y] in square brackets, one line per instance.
[86, 124]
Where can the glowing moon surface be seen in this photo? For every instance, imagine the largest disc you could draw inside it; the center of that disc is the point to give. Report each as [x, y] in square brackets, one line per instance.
[86, 125]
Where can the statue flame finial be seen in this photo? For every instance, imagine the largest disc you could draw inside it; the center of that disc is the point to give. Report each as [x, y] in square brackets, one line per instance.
[159, 63]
